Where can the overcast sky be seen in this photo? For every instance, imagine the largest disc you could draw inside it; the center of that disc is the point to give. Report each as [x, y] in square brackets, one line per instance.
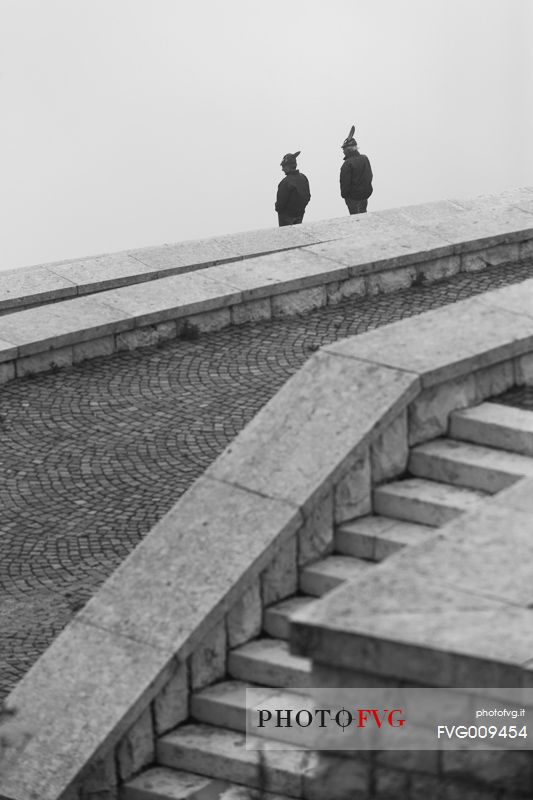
[128, 123]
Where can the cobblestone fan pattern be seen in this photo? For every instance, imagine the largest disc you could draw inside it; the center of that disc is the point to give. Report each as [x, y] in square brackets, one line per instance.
[91, 457]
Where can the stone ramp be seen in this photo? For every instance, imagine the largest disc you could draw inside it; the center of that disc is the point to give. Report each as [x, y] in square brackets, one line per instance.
[49, 283]
[211, 746]
[305, 267]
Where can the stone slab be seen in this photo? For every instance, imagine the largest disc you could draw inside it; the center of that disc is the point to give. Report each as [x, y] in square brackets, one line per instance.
[495, 425]
[422, 213]
[481, 228]
[387, 246]
[84, 692]
[445, 343]
[425, 631]
[277, 273]
[169, 298]
[8, 351]
[306, 436]
[511, 197]
[103, 272]
[517, 298]
[37, 329]
[490, 551]
[37, 284]
[166, 593]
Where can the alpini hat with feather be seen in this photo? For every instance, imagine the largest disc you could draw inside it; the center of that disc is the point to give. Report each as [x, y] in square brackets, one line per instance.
[289, 159]
[350, 141]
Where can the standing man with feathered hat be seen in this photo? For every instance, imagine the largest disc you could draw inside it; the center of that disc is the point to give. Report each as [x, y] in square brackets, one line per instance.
[356, 176]
[293, 192]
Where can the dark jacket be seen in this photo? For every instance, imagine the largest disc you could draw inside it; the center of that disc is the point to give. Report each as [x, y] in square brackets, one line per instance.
[356, 177]
[293, 194]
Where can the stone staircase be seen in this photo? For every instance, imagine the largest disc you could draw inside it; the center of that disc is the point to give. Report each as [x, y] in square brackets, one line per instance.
[489, 447]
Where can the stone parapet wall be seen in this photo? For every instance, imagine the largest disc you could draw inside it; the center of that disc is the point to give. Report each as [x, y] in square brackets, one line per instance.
[389, 251]
[160, 627]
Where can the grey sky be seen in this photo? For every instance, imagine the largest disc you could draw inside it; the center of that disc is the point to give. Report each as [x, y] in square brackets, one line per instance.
[128, 123]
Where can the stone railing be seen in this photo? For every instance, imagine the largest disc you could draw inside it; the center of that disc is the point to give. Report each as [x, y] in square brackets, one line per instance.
[355, 256]
[121, 673]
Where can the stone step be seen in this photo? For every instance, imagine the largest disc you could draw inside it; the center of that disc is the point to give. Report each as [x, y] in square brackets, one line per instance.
[375, 538]
[471, 465]
[224, 704]
[495, 425]
[426, 502]
[276, 619]
[162, 783]
[269, 662]
[222, 754]
[323, 576]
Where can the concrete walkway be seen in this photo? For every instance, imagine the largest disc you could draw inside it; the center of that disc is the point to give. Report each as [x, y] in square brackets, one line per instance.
[92, 456]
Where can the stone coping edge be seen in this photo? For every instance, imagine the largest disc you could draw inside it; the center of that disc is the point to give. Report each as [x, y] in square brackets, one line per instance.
[263, 508]
[276, 285]
[49, 283]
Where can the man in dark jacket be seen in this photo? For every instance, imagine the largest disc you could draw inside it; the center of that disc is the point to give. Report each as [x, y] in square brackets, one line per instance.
[356, 176]
[293, 192]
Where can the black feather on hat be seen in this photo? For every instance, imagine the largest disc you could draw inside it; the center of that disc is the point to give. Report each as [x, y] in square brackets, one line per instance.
[289, 159]
[350, 141]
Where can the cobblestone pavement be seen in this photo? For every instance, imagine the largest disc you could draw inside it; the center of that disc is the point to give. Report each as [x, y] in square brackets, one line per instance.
[92, 456]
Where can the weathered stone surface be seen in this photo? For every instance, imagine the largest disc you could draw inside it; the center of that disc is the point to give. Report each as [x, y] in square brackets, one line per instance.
[210, 320]
[353, 492]
[437, 269]
[251, 311]
[38, 329]
[35, 284]
[166, 330]
[100, 779]
[392, 280]
[504, 768]
[315, 537]
[335, 677]
[449, 342]
[479, 228]
[495, 425]
[169, 298]
[103, 346]
[140, 337]
[518, 298]
[500, 254]
[49, 359]
[525, 249]
[390, 451]
[171, 704]
[279, 273]
[494, 380]
[524, 370]
[102, 272]
[519, 496]
[428, 414]
[303, 439]
[170, 784]
[8, 351]
[391, 783]
[208, 662]
[166, 592]
[424, 629]
[7, 371]
[341, 778]
[340, 290]
[89, 686]
[280, 578]
[245, 619]
[380, 244]
[136, 748]
[298, 302]
[498, 535]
